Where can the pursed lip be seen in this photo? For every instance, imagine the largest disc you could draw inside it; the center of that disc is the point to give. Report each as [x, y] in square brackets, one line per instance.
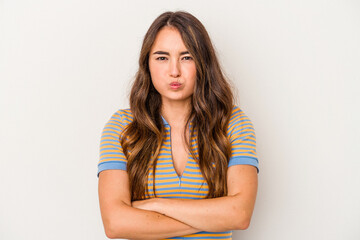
[175, 85]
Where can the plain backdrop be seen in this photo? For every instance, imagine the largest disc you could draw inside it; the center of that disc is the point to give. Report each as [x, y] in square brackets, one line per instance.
[67, 66]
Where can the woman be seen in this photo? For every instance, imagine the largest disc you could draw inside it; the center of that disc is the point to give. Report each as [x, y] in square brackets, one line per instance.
[181, 162]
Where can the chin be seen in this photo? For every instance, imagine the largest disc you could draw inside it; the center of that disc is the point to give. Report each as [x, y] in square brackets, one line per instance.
[180, 99]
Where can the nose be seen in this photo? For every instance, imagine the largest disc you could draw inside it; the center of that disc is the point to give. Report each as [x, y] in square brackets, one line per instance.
[174, 70]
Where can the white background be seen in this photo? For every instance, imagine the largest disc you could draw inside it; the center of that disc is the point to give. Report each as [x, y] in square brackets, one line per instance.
[66, 67]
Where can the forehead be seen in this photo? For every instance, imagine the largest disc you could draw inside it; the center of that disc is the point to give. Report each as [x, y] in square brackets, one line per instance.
[168, 39]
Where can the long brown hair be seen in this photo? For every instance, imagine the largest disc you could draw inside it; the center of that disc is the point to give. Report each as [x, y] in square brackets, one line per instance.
[212, 104]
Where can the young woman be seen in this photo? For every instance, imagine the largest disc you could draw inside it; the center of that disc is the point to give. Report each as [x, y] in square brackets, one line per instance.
[181, 162]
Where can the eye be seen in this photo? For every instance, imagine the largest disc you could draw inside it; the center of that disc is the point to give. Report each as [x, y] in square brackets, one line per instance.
[161, 58]
[187, 58]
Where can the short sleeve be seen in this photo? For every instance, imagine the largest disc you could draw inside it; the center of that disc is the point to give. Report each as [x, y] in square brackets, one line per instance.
[111, 152]
[242, 138]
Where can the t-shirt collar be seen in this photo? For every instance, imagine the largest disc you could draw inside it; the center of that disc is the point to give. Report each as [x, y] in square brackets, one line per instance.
[164, 121]
[167, 124]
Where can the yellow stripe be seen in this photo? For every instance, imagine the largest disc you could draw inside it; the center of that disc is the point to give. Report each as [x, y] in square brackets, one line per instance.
[162, 176]
[242, 141]
[163, 171]
[114, 159]
[243, 154]
[205, 187]
[192, 175]
[193, 171]
[194, 180]
[127, 115]
[164, 186]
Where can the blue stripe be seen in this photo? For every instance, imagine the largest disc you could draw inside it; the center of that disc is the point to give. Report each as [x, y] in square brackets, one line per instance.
[193, 183]
[162, 178]
[178, 193]
[244, 161]
[164, 183]
[119, 156]
[193, 178]
[115, 153]
[113, 148]
[111, 165]
[160, 173]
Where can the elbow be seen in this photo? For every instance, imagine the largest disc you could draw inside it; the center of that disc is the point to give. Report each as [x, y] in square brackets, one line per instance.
[115, 224]
[242, 221]
[110, 232]
[113, 230]
[113, 233]
[243, 225]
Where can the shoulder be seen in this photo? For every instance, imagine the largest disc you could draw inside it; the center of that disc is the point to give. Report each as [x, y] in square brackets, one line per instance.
[111, 152]
[122, 116]
[242, 137]
[119, 119]
[238, 119]
[117, 122]
[236, 113]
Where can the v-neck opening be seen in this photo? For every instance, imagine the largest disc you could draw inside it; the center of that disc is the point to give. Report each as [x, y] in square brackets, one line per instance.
[172, 158]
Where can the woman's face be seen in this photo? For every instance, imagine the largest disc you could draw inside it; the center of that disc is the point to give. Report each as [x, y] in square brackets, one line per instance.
[172, 68]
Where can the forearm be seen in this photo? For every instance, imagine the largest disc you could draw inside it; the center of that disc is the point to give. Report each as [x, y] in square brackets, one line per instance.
[231, 212]
[214, 215]
[131, 223]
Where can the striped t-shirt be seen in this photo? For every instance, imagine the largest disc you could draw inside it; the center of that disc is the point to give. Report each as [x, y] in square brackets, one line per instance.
[168, 184]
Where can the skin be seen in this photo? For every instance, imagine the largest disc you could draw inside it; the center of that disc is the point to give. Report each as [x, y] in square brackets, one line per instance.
[163, 218]
[170, 61]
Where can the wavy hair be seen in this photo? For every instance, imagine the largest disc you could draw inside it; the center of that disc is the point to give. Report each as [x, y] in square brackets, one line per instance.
[211, 107]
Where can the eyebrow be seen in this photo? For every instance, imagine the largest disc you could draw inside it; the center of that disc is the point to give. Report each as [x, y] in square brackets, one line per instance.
[166, 53]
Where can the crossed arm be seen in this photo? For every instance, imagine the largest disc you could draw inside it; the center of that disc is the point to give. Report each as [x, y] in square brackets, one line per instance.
[162, 218]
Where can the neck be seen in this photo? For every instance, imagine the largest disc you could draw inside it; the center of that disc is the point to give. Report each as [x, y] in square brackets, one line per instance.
[175, 112]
